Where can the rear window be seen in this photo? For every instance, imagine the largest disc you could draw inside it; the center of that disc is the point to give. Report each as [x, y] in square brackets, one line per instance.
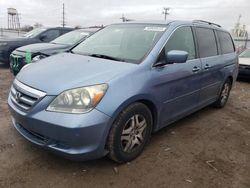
[226, 42]
[206, 42]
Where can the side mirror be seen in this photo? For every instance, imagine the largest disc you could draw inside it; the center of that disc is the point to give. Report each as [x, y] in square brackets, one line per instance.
[176, 56]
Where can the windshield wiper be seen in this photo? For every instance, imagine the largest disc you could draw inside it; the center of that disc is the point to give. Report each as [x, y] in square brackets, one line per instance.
[105, 57]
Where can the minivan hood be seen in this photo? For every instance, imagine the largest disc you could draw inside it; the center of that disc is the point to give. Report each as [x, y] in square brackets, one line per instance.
[42, 47]
[66, 71]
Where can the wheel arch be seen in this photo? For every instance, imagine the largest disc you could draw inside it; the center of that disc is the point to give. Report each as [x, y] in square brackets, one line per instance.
[146, 100]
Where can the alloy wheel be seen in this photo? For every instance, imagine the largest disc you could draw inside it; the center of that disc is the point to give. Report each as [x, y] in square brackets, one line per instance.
[133, 133]
[225, 93]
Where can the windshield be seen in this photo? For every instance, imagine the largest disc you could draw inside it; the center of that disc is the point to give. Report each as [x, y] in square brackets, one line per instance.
[124, 42]
[34, 32]
[245, 53]
[71, 38]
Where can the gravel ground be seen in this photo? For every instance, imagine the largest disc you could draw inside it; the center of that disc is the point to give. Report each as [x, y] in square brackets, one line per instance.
[210, 148]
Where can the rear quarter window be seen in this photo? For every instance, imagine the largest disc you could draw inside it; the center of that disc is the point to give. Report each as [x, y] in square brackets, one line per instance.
[206, 42]
[226, 42]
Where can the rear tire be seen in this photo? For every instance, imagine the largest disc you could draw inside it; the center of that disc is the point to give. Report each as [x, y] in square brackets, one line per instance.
[130, 133]
[224, 94]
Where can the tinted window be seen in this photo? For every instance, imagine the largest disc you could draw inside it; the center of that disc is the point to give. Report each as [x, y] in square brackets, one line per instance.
[182, 39]
[226, 42]
[206, 42]
[51, 35]
[71, 38]
[34, 32]
[64, 31]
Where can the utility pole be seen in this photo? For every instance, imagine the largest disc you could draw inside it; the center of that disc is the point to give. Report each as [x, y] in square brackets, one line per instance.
[165, 12]
[63, 21]
[124, 19]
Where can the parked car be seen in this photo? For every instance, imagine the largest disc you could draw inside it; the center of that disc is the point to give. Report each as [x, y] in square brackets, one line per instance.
[120, 85]
[35, 52]
[244, 64]
[9, 44]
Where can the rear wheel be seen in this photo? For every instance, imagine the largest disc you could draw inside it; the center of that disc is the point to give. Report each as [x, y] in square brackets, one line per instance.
[130, 133]
[224, 94]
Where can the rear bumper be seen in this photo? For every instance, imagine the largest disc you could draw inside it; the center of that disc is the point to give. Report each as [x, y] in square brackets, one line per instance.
[73, 136]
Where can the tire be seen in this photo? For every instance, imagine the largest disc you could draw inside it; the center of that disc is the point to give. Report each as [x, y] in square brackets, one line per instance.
[224, 94]
[130, 133]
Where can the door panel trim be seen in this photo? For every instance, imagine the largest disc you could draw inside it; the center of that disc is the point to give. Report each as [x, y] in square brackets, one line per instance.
[176, 98]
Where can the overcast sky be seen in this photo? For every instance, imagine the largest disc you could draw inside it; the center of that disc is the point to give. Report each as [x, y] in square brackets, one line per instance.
[97, 12]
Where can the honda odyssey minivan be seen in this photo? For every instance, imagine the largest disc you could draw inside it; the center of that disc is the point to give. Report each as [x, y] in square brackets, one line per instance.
[122, 84]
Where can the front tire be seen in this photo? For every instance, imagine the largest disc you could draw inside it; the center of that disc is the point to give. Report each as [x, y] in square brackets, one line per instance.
[224, 94]
[130, 133]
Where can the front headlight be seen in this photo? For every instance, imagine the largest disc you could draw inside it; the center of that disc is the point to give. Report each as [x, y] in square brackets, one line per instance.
[3, 43]
[37, 58]
[79, 100]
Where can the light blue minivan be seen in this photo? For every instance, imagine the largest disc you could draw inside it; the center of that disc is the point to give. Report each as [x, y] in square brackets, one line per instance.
[122, 84]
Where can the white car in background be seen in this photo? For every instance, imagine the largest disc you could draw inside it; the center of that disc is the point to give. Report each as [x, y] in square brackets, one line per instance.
[244, 64]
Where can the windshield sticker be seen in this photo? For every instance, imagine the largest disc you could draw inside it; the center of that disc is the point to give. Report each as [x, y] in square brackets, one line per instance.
[159, 29]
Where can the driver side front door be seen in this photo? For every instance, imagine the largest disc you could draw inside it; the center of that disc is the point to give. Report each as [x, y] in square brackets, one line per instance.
[177, 85]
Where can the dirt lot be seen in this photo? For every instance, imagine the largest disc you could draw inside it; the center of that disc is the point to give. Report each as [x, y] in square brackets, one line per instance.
[210, 148]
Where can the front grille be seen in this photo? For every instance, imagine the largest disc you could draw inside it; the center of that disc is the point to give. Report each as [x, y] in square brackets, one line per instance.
[23, 96]
[16, 62]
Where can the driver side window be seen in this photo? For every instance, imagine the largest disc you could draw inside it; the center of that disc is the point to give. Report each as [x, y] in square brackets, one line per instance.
[182, 39]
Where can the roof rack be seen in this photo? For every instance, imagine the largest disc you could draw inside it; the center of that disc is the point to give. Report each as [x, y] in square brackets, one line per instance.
[206, 22]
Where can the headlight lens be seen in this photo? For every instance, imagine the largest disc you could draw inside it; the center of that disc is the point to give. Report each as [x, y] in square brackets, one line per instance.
[79, 100]
[3, 43]
[37, 58]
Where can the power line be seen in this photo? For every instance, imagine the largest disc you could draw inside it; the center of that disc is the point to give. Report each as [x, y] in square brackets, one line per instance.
[165, 12]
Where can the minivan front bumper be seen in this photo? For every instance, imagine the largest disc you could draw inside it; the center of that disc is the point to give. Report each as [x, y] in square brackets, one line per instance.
[74, 136]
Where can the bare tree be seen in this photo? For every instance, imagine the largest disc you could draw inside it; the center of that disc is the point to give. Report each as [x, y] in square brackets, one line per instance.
[36, 25]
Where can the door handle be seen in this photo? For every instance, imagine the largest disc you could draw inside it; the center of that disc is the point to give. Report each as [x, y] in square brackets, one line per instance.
[207, 66]
[196, 69]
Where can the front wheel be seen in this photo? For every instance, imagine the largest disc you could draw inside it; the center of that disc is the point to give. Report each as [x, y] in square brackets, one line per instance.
[130, 133]
[224, 94]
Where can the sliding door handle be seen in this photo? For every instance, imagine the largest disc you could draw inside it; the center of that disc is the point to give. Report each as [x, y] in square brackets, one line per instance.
[196, 69]
[207, 66]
